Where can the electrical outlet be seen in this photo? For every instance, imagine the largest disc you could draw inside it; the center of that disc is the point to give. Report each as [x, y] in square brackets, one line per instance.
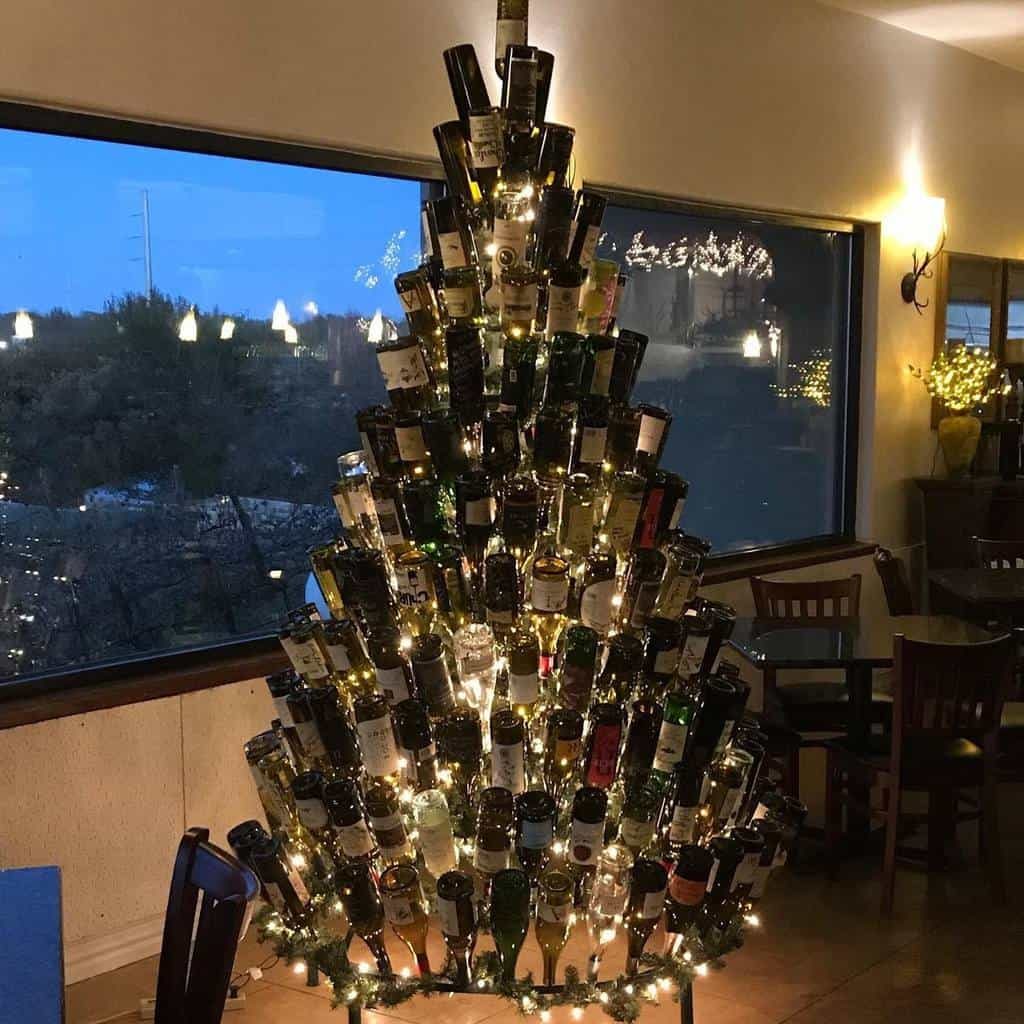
[147, 1007]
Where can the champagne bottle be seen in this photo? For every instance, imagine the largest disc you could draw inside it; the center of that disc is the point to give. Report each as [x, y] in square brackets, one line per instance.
[686, 889]
[348, 817]
[364, 909]
[549, 598]
[416, 744]
[638, 755]
[388, 826]
[649, 880]
[456, 913]
[607, 902]
[404, 366]
[554, 919]
[281, 881]
[578, 666]
[376, 736]
[535, 831]
[510, 917]
[603, 742]
[434, 827]
[586, 837]
[406, 911]
[430, 671]
[394, 677]
[508, 751]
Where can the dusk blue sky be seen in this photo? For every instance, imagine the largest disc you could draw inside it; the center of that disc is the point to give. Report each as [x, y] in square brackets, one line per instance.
[237, 234]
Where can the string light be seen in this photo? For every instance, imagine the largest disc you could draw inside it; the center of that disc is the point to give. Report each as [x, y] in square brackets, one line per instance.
[962, 378]
[739, 255]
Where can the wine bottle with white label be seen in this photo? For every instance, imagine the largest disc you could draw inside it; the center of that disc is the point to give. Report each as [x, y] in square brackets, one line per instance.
[648, 883]
[623, 432]
[639, 818]
[554, 919]
[434, 827]
[419, 302]
[462, 298]
[314, 823]
[475, 514]
[487, 146]
[535, 831]
[406, 911]
[281, 880]
[407, 375]
[273, 776]
[344, 802]
[388, 825]
[519, 295]
[549, 598]
[454, 237]
[416, 742]
[511, 29]
[394, 676]
[562, 298]
[678, 713]
[598, 589]
[654, 427]
[591, 439]
[664, 501]
[717, 908]
[508, 751]
[313, 754]
[376, 736]
[625, 499]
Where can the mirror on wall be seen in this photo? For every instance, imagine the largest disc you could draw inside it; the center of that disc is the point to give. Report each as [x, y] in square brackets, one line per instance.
[969, 311]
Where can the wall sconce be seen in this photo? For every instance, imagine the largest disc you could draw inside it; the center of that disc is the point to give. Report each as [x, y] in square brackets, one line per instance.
[920, 221]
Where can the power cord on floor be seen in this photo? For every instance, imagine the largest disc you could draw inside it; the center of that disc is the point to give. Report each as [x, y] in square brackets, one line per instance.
[240, 980]
[123, 1015]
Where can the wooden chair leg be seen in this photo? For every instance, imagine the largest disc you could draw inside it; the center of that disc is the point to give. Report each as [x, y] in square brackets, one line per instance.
[892, 823]
[791, 778]
[990, 827]
[940, 825]
[833, 815]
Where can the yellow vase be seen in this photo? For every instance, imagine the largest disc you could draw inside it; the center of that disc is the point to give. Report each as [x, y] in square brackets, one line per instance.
[958, 438]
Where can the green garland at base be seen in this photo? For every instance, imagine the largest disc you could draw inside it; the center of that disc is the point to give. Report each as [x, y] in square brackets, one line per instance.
[621, 998]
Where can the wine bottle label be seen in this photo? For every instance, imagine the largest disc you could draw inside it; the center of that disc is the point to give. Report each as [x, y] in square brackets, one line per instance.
[507, 767]
[338, 654]
[453, 255]
[593, 441]
[671, 744]
[644, 604]
[636, 834]
[712, 876]
[550, 595]
[537, 835]
[761, 873]
[389, 829]
[309, 661]
[508, 32]
[683, 821]
[622, 517]
[390, 524]
[411, 445]
[414, 586]
[654, 903]
[356, 840]
[518, 302]
[589, 248]
[610, 897]
[459, 301]
[553, 913]
[296, 883]
[448, 916]
[579, 527]
[271, 799]
[650, 516]
[674, 595]
[403, 368]
[398, 910]
[309, 737]
[428, 242]
[563, 309]
[731, 804]
[686, 891]
[604, 753]
[283, 712]
[480, 512]
[509, 241]
[651, 430]
[746, 870]
[726, 735]
[524, 689]
[276, 898]
[410, 299]
[601, 380]
[577, 682]
[392, 682]
[377, 742]
[438, 847]
[677, 513]
[491, 861]
[486, 138]
[587, 841]
[692, 657]
[341, 505]
[596, 605]
[567, 752]
[665, 662]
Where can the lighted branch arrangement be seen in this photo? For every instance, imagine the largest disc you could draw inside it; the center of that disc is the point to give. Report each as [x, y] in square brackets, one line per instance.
[510, 714]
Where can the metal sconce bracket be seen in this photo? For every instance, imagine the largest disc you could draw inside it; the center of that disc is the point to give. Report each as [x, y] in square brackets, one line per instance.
[908, 286]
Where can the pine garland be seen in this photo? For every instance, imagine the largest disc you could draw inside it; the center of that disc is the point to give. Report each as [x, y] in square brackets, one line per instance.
[621, 998]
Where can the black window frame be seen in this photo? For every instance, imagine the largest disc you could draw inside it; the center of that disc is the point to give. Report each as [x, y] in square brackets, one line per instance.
[183, 669]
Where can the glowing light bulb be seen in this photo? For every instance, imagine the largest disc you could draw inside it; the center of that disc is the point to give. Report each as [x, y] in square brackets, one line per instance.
[298, 967]
[23, 329]
[375, 333]
[227, 329]
[752, 346]
[188, 329]
[291, 334]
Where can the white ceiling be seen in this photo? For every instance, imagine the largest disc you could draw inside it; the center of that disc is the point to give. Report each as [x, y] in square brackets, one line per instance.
[988, 28]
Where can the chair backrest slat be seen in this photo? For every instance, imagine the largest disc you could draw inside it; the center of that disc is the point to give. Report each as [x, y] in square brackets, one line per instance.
[818, 599]
[197, 954]
[997, 554]
[949, 690]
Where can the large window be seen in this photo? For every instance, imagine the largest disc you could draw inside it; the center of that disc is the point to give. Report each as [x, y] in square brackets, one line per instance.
[183, 346]
[750, 328]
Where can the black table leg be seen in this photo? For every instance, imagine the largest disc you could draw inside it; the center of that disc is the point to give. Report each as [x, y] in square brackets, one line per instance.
[686, 1005]
[858, 730]
[355, 1013]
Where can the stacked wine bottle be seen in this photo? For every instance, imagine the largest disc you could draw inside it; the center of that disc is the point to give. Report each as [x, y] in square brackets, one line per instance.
[513, 706]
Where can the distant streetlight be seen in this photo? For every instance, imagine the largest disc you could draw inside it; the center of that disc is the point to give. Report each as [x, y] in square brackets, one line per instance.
[281, 319]
[291, 334]
[227, 329]
[375, 333]
[752, 346]
[189, 327]
[23, 330]
[312, 308]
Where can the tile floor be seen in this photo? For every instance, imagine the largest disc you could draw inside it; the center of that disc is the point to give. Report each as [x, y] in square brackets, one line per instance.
[824, 956]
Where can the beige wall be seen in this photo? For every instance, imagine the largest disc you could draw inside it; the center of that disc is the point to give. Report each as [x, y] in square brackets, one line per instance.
[782, 105]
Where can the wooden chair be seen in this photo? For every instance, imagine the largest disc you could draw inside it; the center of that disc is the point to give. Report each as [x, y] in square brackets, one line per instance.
[192, 984]
[899, 598]
[947, 701]
[997, 554]
[819, 599]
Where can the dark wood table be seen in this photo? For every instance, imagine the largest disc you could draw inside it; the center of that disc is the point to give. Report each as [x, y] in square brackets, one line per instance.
[31, 946]
[983, 594]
